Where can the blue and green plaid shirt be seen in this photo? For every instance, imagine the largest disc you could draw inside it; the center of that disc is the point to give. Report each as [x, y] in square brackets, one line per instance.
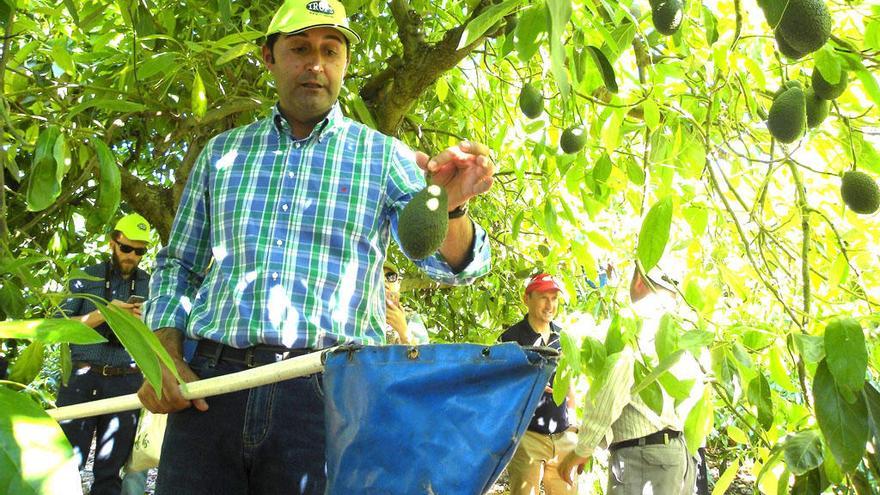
[281, 241]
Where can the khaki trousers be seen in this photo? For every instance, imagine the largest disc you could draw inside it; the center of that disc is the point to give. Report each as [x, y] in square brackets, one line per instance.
[656, 469]
[539, 454]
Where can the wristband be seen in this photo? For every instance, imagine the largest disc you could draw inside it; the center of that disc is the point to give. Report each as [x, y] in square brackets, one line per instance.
[459, 211]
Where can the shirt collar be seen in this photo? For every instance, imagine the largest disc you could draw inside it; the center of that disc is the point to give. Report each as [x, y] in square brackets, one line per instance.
[324, 129]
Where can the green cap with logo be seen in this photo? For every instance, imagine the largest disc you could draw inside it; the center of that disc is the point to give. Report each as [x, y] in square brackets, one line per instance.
[135, 227]
[295, 16]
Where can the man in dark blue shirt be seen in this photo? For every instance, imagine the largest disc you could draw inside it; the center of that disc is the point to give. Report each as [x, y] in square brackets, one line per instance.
[106, 370]
[548, 438]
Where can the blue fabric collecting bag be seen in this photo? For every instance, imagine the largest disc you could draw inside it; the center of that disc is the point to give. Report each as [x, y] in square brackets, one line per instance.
[441, 419]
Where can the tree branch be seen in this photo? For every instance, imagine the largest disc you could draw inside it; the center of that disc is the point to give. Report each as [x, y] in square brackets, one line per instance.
[4, 57]
[419, 68]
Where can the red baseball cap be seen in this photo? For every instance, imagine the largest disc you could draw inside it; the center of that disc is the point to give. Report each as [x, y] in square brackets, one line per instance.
[543, 282]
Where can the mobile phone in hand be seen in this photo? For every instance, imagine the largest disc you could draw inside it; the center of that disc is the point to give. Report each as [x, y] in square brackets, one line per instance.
[135, 300]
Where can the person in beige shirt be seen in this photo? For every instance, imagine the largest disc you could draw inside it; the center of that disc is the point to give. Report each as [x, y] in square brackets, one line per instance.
[648, 450]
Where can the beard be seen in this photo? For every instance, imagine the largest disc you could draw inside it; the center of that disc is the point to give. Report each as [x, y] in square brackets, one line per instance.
[125, 269]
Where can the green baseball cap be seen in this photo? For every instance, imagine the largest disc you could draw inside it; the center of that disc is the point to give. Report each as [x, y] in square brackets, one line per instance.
[135, 227]
[295, 16]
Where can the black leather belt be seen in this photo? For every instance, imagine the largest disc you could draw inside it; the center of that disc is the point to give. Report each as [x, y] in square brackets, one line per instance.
[106, 370]
[257, 355]
[662, 437]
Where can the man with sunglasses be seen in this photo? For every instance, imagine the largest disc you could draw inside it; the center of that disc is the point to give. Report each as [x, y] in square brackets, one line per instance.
[403, 328]
[106, 370]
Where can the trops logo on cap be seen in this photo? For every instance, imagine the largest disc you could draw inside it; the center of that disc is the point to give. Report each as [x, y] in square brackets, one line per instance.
[320, 8]
[142, 226]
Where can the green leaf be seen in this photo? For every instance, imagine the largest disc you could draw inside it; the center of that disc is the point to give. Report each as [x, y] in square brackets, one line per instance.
[592, 355]
[828, 64]
[662, 367]
[50, 331]
[844, 425]
[61, 56]
[654, 234]
[28, 364]
[737, 435]
[808, 484]
[602, 168]
[779, 372]
[486, 20]
[605, 68]
[441, 89]
[652, 113]
[650, 393]
[235, 52]
[571, 356]
[760, 396]
[43, 185]
[726, 478]
[532, 24]
[160, 63]
[666, 339]
[695, 339]
[698, 218]
[711, 25]
[561, 384]
[560, 13]
[140, 342]
[109, 184]
[872, 401]
[699, 421]
[61, 153]
[35, 456]
[810, 347]
[108, 104]
[635, 173]
[846, 353]
[198, 97]
[803, 452]
[11, 301]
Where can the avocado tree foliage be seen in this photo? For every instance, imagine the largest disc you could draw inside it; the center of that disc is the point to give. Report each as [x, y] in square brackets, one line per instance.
[106, 105]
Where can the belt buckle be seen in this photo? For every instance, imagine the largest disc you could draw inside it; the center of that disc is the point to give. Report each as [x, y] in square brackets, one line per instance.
[249, 358]
[105, 370]
[665, 438]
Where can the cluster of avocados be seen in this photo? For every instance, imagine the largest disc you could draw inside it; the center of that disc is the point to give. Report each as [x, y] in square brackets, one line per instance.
[794, 108]
[803, 28]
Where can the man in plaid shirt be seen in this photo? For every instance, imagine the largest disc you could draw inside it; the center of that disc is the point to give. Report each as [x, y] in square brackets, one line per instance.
[277, 250]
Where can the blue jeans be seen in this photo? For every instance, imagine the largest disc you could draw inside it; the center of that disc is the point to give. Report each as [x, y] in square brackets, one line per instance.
[114, 432]
[266, 440]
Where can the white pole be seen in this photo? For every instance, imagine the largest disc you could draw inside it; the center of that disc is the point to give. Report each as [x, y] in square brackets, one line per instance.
[275, 372]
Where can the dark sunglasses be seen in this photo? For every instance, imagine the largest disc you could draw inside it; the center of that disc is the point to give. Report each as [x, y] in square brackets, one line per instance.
[391, 277]
[125, 248]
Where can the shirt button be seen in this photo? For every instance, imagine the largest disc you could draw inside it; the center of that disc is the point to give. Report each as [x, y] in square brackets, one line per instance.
[290, 174]
[296, 145]
[275, 276]
[284, 207]
[279, 242]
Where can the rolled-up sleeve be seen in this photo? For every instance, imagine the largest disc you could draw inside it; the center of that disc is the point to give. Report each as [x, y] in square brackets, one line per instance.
[608, 401]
